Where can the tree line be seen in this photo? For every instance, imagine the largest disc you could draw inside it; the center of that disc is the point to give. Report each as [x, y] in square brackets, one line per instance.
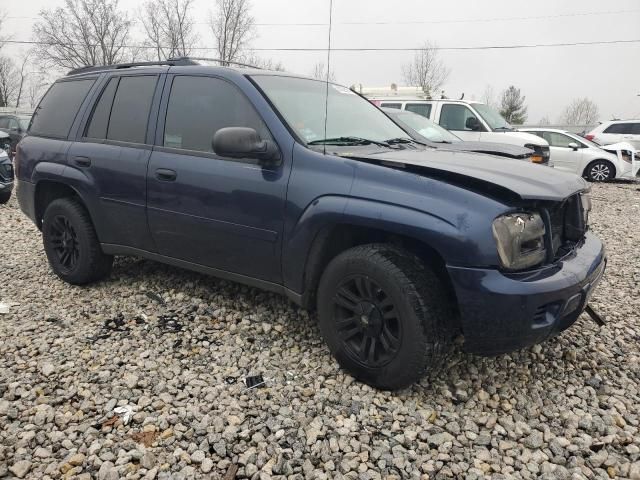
[82, 33]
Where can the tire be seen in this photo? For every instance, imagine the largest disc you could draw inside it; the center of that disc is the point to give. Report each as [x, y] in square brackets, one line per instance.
[71, 243]
[4, 197]
[600, 171]
[382, 300]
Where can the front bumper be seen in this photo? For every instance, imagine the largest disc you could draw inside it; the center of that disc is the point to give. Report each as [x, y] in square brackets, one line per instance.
[500, 313]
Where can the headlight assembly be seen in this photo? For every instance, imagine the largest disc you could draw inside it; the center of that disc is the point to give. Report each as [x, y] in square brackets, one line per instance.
[520, 240]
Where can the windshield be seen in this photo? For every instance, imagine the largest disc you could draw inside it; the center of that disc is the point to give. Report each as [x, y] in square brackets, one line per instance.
[492, 117]
[302, 104]
[24, 122]
[425, 127]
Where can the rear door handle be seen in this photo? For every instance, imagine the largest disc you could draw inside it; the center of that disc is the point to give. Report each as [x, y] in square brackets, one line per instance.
[82, 161]
[166, 175]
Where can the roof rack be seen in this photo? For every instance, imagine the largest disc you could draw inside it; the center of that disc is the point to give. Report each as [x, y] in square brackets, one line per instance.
[171, 62]
[223, 63]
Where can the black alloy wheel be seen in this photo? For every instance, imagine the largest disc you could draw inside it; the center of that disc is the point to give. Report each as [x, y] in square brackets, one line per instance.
[367, 321]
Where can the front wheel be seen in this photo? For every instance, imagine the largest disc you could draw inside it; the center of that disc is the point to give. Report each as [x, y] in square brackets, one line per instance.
[384, 315]
[599, 171]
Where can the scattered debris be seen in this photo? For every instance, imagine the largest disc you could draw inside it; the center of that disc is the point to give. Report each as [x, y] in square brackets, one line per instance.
[255, 381]
[109, 421]
[145, 438]
[156, 297]
[231, 472]
[4, 308]
[125, 412]
[169, 323]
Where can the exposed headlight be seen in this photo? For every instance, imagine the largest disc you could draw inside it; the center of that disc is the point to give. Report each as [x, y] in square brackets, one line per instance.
[520, 240]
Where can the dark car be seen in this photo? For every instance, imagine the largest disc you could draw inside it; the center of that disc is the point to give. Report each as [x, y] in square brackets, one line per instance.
[430, 133]
[239, 174]
[6, 177]
[15, 126]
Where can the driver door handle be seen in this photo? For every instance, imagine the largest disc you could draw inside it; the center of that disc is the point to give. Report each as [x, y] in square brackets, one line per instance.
[82, 161]
[166, 175]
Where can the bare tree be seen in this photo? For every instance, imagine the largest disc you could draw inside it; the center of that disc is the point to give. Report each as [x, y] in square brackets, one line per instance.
[426, 70]
[82, 33]
[22, 76]
[581, 111]
[170, 28]
[544, 121]
[489, 96]
[513, 108]
[233, 28]
[8, 83]
[35, 88]
[321, 73]
[264, 63]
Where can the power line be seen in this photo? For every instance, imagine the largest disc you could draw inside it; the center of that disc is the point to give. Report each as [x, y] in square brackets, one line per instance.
[413, 22]
[356, 49]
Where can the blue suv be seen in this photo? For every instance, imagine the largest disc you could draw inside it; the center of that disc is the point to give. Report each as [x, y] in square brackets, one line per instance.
[307, 189]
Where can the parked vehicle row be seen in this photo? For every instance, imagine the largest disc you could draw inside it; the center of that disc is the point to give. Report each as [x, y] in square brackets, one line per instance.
[573, 153]
[305, 188]
[13, 127]
[471, 121]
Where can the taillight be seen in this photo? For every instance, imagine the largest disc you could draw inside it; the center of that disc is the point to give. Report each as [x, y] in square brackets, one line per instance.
[590, 137]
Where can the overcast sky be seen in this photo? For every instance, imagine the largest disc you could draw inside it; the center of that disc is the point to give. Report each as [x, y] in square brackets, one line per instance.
[549, 77]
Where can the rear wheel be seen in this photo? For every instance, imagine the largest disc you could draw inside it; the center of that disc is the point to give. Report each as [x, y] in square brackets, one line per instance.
[384, 315]
[599, 171]
[71, 243]
[4, 197]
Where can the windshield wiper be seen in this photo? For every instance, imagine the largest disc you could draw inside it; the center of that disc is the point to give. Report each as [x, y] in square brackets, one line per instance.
[395, 141]
[348, 141]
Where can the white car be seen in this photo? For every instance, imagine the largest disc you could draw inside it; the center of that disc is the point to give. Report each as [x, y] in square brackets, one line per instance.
[578, 155]
[471, 121]
[616, 131]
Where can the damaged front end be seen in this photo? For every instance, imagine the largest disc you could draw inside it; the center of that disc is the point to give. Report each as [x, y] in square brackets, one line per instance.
[628, 156]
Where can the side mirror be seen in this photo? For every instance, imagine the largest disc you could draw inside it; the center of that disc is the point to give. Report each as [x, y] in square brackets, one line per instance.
[574, 146]
[243, 142]
[472, 123]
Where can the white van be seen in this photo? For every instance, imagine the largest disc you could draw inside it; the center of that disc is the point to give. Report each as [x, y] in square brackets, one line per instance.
[471, 121]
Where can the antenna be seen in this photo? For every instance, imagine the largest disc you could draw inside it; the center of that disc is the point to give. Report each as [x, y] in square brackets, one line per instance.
[326, 98]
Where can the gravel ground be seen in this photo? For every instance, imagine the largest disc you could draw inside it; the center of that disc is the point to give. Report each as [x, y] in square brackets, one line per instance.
[176, 346]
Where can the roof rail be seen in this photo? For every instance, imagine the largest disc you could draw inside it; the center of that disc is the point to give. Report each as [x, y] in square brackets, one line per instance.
[223, 63]
[171, 62]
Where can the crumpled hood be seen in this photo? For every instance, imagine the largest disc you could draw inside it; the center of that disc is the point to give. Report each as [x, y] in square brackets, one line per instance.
[500, 149]
[527, 180]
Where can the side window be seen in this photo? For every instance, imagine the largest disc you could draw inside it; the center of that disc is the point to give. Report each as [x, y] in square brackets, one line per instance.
[4, 122]
[57, 110]
[97, 127]
[423, 109]
[13, 123]
[391, 105]
[200, 106]
[618, 128]
[454, 117]
[559, 140]
[130, 110]
[635, 128]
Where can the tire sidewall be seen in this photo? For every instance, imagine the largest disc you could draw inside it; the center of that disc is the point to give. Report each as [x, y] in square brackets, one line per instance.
[4, 197]
[413, 338]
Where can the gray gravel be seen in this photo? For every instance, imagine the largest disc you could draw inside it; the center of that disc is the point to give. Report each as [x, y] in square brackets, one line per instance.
[566, 409]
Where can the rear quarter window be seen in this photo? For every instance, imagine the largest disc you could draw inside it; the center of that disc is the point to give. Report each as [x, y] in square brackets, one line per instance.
[58, 109]
[618, 128]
